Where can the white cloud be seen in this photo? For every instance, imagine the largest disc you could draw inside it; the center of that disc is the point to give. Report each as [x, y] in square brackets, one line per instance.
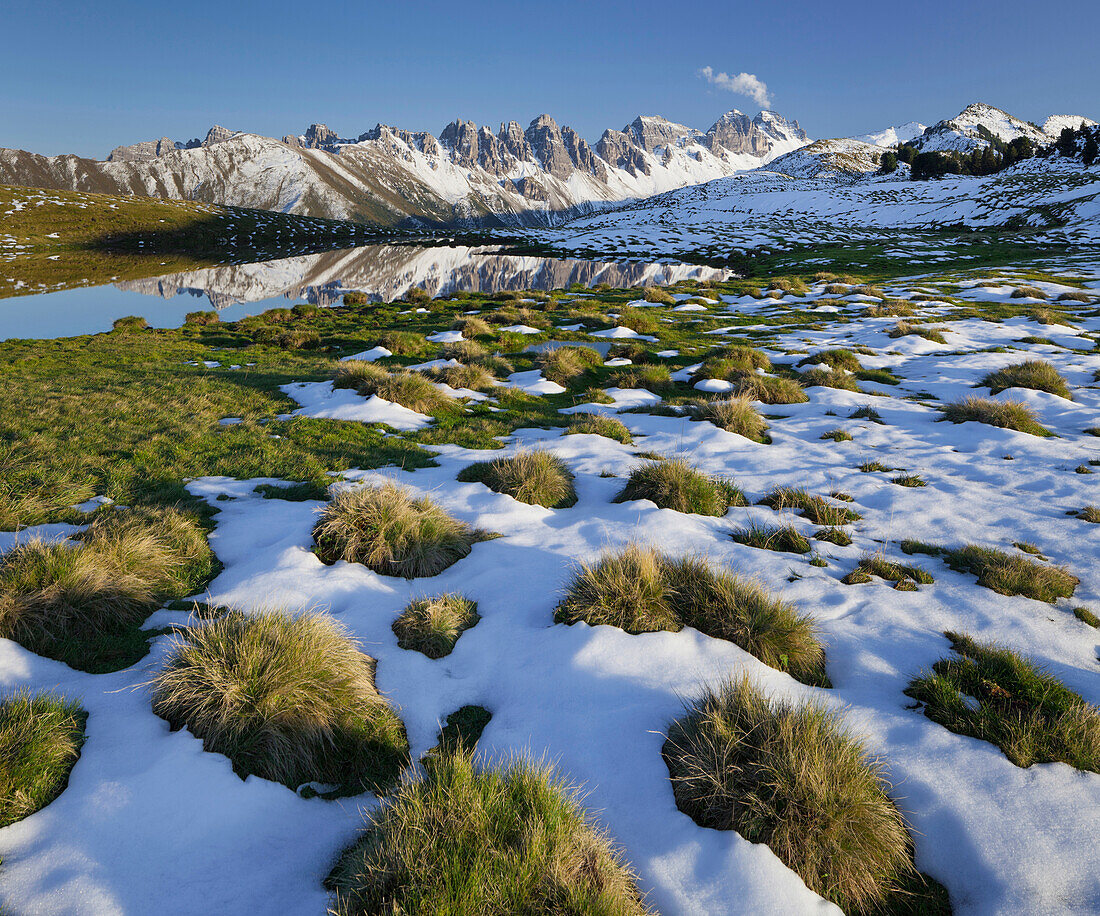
[743, 84]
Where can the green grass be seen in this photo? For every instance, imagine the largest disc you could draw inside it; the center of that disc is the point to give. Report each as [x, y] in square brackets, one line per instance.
[837, 435]
[85, 605]
[98, 237]
[392, 532]
[288, 698]
[433, 625]
[909, 480]
[461, 732]
[1013, 703]
[1086, 616]
[780, 538]
[678, 486]
[1036, 374]
[640, 590]
[793, 777]
[466, 838]
[538, 478]
[1002, 414]
[40, 740]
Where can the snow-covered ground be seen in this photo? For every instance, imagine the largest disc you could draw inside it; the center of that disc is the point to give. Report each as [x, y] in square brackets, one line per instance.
[151, 823]
[819, 204]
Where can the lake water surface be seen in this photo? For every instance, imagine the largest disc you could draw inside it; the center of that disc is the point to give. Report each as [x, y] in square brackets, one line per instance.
[382, 272]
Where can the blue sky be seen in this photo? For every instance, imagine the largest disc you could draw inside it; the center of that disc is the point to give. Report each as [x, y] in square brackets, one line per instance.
[79, 77]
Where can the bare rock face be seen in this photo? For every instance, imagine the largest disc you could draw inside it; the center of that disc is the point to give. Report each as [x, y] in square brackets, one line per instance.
[461, 138]
[515, 142]
[415, 139]
[618, 150]
[218, 134]
[149, 149]
[532, 189]
[561, 152]
[738, 133]
[652, 133]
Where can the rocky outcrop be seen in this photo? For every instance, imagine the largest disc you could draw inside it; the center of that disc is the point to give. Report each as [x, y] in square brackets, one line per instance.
[150, 149]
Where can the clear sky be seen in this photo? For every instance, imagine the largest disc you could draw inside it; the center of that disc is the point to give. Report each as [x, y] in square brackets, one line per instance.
[85, 77]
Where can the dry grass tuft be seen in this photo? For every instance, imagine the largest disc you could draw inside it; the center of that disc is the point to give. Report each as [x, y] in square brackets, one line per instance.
[40, 740]
[816, 508]
[780, 538]
[658, 296]
[735, 415]
[1011, 574]
[291, 699]
[392, 532]
[433, 625]
[84, 604]
[564, 364]
[1028, 292]
[599, 425]
[1033, 373]
[463, 838]
[412, 390]
[1002, 414]
[794, 778]
[535, 477]
[640, 590]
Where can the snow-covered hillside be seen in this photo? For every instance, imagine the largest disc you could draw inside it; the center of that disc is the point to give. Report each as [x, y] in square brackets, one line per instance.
[767, 210]
[892, 136]
[970, 129]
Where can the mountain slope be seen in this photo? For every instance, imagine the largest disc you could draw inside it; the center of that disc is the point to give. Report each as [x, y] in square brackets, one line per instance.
[972, 128]
[388, 176]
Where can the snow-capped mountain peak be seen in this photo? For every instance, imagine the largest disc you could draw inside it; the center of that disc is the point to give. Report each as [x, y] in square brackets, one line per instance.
[972, 127]
[1053, 125]
[893, 136]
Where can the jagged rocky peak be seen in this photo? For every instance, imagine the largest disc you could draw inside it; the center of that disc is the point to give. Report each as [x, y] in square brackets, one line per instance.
[561, 150]
[651, 133]
[619, 150]
[391, 136]
[218, 134]
[737, 132]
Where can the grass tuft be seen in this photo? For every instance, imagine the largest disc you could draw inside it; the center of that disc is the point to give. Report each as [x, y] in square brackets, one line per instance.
[640, 590]
[412, 390]
[780, 538]
[564, 364]
[40, 740]
[790, 776]
[84, 604]
[1037, 374]
[1002, 414]
[816, 508]
[463, 838]
[993, 694]
[599, 425]
[538, 478]
[678, 486]
[286, 698]
[1011, 574]
[735, 415]
[433, 625]
[392, 532]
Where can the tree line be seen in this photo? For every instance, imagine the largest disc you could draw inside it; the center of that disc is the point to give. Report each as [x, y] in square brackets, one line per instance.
[997, 155]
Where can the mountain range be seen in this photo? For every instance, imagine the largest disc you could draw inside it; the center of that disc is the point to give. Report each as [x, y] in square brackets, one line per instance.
[467, 175]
